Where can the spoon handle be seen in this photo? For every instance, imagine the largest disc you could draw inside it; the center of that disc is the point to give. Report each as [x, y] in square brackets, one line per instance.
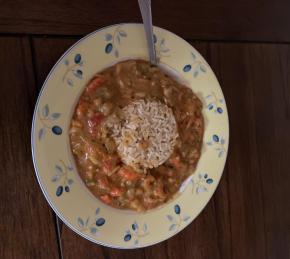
[145, 8]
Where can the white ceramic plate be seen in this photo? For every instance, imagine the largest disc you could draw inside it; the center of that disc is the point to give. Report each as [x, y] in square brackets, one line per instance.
[53, 161]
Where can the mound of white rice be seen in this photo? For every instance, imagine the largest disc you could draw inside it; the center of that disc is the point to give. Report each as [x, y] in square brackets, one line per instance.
[145, 135]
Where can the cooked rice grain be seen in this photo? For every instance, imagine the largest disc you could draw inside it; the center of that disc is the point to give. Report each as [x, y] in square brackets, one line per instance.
[145, 135]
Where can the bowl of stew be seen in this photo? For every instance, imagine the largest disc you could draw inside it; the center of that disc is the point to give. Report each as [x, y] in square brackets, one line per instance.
[128, 154]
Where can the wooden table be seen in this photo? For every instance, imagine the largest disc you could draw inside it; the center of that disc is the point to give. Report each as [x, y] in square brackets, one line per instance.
[247, 43]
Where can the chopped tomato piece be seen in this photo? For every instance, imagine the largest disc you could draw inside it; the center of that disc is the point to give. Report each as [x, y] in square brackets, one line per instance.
[94, 122]
[106, 199]
[129, 175]
[95, 83]
[103, 183]
[116, 192]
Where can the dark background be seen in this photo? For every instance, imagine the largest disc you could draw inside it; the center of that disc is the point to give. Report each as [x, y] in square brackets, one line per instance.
[246, 42]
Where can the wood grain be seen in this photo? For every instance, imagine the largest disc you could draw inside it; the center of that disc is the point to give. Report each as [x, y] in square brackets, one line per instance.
[244, 20]
[27, 227]
[249, 215]
[255, 80]
[46, 52]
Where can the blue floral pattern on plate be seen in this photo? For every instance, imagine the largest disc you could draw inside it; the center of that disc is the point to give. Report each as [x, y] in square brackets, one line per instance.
[213, 103]
[200, 185]
[51, 123]
[91, 224]
[160, 47]
[218, 143]
[47, 120]
[136, 232]
[62, 178]
[197, 67]
[73, 70]
[114, 40]
[176, 219]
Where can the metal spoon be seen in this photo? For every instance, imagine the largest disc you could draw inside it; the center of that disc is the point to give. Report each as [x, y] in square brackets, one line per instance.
[145, 8]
